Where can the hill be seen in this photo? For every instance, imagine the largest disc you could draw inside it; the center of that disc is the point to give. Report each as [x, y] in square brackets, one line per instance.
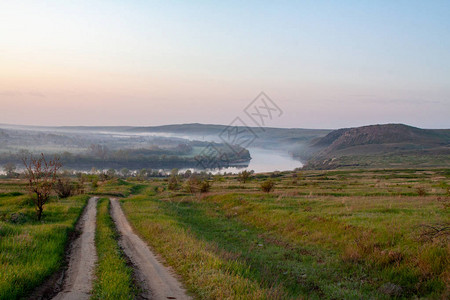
[385, 145]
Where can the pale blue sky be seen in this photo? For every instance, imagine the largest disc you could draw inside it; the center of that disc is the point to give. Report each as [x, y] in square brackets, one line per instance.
[327, 64]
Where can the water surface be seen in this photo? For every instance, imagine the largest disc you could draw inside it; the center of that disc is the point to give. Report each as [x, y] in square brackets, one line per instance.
[263, 160]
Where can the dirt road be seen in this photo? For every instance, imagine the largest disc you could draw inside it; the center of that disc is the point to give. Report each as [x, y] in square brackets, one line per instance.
[83, 256]
[157, 279]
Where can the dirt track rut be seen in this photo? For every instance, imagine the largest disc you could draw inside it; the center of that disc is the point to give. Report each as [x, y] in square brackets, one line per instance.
[83, 256]
[157, 279]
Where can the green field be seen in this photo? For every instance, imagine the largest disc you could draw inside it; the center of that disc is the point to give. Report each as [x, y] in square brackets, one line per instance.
[30, 251]
[337, 234]
[355, 234]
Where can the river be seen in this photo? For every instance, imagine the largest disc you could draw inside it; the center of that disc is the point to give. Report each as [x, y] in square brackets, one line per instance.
[263, 160]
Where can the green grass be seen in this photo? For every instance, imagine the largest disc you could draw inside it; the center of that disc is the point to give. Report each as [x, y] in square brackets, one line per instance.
[31, 251]
[296, 269]
[344, 234]
[358, 234]
[116, 188]
[113, 276]
[205, 273]
[389, 160]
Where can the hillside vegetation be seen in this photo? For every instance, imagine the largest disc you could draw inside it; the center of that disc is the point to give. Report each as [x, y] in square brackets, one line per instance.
[390, 145]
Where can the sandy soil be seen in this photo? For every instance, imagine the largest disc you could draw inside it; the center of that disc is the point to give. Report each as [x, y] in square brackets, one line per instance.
[83, 256]
[158, 281]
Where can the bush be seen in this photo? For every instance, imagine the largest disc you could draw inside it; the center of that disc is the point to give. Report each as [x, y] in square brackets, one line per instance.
[173, 182]
[78, 187]
[103, 176]
[205, 186]
[244, 176]
[64, 188]
[421, 191]
[276, 174]
[94, 183]
[267, 186]
[193, 185]
[18, 218]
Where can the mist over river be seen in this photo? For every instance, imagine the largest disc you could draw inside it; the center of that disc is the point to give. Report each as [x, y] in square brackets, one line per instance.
[263, 160]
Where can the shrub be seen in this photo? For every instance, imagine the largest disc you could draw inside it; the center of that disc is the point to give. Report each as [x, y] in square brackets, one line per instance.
[173, 182]
[103, 176]
[187, 174]
[94, 183]
[78, 187]
[205, 186]
[276, 174]
[64, 188]
[421, 191]
[194, 185]
[244, 176]
[18, 218]
[191, 185]
[267, 186]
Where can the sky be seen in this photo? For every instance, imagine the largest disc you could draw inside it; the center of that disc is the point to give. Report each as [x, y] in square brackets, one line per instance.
[325, 64]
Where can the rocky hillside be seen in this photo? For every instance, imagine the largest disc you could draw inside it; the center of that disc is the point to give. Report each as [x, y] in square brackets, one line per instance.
[375, 143]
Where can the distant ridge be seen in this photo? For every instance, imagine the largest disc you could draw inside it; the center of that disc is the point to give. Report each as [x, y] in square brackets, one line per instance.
[376, 141]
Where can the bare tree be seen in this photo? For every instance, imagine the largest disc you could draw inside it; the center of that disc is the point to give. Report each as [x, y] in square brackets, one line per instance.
[41, 175]
[10, 170]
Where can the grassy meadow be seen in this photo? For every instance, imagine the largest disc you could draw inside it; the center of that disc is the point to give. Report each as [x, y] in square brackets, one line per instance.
[31, 251]
[347, 234]
[320, 234]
